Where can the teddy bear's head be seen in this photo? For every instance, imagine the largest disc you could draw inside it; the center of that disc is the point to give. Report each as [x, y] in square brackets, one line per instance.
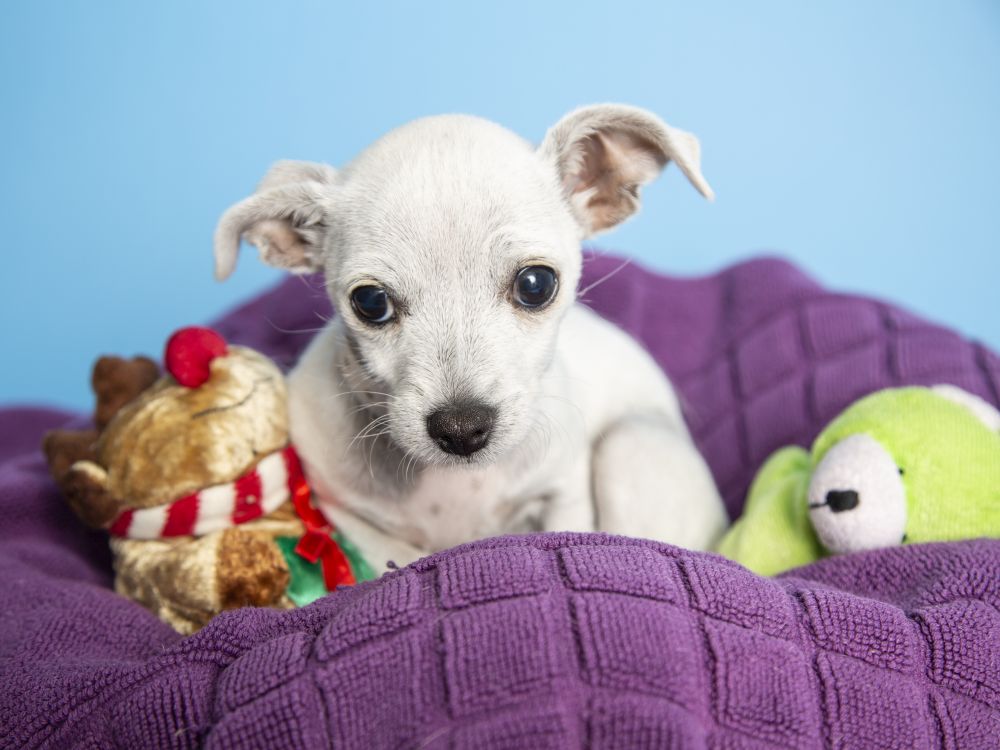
[902, 465]
[906, 465]
[218, 411]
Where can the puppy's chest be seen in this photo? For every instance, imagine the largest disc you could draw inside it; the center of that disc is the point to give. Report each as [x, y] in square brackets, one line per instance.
[452, 507]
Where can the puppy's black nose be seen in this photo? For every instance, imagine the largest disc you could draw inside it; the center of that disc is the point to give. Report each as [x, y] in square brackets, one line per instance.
[841, 500]
[461, 429]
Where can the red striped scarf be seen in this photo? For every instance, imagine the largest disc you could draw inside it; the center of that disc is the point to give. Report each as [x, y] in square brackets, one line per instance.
[275, 479]
[260, 491]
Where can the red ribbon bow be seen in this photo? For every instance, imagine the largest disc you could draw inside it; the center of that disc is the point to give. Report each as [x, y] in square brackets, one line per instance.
[317, 543]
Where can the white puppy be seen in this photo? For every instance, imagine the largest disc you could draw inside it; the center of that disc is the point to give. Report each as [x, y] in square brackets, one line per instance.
[461, 392]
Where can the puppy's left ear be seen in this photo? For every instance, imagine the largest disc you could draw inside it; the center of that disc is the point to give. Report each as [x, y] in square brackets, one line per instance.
[285, 219]
[604, 153]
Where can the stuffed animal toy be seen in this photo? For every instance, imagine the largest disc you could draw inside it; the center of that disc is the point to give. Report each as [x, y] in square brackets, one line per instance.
[902, 465]
[193, 476]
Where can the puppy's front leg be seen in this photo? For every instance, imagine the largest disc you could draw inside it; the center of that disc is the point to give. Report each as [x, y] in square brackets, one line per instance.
[650, 481]
[377, 547]
[571, 506]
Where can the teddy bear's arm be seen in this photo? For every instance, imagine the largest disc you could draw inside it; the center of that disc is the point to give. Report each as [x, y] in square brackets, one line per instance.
[188, 580]
[774, 533]
[85, 487]
[63, 448]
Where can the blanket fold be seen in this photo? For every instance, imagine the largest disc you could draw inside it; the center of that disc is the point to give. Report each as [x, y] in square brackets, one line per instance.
[548, 640]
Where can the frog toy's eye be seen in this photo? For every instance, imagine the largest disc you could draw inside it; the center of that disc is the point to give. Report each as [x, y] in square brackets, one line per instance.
[857, 500]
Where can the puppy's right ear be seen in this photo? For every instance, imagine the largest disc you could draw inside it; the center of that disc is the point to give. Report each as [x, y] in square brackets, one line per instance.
[285, 219]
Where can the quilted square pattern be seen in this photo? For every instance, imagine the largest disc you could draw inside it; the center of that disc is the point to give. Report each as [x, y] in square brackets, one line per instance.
[467, 579]
[965, 722]
[724, 447]
[836, 325]
[379, 612]
[617, 722]
[768, 353]
[785, 409]
[712, 391]
[278, 660]
[639, 645]
[647, 572]
[183, 692]
[990, 362]
[904, 321]
[939, 354]
[759, 686]
[864, 629]
[898, 714]
[538, 727]
[274, 722]
[738, 596]
[519, 657]
[378, 689]
[724, 740]
[963, 637]
[842, 380]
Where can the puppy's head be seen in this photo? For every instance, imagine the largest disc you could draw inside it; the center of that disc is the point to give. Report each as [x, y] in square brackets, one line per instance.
[451, 250]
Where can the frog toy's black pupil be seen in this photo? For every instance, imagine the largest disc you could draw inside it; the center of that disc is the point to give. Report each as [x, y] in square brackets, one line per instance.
[371, 303]
[534, 286]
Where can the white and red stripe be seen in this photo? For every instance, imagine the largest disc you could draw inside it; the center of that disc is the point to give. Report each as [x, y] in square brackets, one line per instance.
[260, 491]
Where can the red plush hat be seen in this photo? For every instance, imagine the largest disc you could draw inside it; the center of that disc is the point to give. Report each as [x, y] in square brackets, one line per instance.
[190, 352]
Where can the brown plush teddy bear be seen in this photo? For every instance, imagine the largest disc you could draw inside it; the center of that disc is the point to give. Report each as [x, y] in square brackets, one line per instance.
[193, 476]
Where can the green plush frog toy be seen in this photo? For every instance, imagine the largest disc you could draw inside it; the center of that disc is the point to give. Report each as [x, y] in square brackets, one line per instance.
[902, 465]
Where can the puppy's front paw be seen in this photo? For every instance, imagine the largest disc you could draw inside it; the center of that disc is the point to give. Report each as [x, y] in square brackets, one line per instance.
[251, 570]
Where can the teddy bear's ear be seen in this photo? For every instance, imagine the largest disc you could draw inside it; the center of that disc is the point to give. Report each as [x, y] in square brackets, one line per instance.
[117, 381]
[983, 410]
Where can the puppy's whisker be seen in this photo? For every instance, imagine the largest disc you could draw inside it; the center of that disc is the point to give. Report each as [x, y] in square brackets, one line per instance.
[579, 295]
[537, 439]
[363, 407]
[348, 393]
[372, 425]
[279, 329]
[569, 402]
[361, 393]
[411, 467]
[547, 429]
[371, 451]
[399, 465]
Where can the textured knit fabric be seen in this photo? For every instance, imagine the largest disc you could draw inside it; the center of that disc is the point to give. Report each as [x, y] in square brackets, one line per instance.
[553, 640]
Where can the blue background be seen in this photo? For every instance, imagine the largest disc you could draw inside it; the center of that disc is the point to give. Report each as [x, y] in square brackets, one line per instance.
[861, 139]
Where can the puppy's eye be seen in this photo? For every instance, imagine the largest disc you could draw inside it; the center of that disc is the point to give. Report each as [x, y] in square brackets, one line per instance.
[372, 304]
[535, 286]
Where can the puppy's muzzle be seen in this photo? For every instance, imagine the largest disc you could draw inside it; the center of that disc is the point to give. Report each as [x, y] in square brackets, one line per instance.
[461, 429]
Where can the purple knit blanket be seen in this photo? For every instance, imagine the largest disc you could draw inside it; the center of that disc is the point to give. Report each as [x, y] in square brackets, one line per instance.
[551, 640]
